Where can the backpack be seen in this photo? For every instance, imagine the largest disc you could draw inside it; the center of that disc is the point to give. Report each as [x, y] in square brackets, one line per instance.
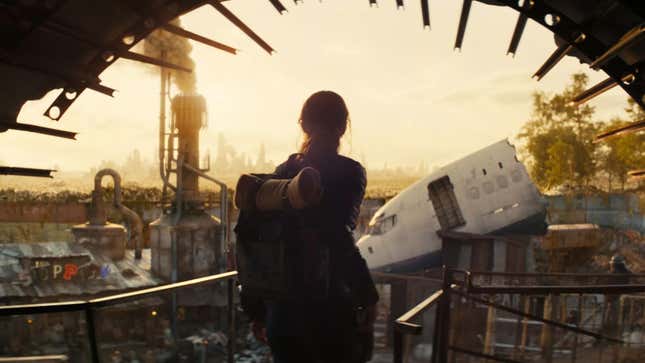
[279, 256]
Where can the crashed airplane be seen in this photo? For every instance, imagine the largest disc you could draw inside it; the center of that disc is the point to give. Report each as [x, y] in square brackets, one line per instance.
[487, 192]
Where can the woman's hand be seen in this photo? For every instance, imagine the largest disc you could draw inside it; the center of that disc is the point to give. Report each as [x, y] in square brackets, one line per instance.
[259, 331]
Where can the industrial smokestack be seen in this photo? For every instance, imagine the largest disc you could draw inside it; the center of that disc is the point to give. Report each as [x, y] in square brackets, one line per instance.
[189, 116]
[174, 49]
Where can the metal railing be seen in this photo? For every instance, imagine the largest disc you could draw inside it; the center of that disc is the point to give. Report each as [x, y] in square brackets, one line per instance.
[89, 307]
[482, 289]
[35, 359]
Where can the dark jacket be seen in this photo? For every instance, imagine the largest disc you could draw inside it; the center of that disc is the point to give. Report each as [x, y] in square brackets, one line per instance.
[351, 286]
[343, 182]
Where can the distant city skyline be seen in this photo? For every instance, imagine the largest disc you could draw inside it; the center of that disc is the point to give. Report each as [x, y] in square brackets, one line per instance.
[412, 99]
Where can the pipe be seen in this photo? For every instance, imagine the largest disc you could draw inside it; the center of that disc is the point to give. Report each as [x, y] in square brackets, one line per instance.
[164, 173]
[224, 214]
[133, 218]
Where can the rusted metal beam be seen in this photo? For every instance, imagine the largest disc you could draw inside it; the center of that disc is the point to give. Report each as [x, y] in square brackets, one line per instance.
[198, 38]
[625, 41]
[240, 24]
[627, 129]
[278, 6]
[517, 33]
[154, 61]
[599, 88]
[425, 12]
[463, 20]
[38, 130]
[40, 173]
[556, 56]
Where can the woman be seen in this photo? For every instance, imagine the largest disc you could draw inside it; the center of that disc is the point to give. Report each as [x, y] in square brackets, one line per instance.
[339, 326]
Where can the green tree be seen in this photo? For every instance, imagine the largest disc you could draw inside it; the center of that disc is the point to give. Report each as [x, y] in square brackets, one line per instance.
[559, 138]
[623, 153]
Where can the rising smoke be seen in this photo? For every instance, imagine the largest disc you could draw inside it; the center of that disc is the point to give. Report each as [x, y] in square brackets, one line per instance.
[175, 49]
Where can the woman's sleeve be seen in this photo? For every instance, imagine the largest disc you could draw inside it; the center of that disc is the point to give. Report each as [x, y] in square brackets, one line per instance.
[347, 204]
[354, 267]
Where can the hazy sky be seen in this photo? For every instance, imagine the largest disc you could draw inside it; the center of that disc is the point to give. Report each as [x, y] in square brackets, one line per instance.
[411, 97]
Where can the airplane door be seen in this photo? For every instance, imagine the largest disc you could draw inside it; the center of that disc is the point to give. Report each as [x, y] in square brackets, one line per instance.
[444, 201]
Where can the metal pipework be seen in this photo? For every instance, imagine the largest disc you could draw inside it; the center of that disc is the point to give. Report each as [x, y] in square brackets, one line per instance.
[224, 214]
[132, 217]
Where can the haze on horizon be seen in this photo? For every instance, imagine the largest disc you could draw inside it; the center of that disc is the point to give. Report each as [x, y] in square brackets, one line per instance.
[411, 97]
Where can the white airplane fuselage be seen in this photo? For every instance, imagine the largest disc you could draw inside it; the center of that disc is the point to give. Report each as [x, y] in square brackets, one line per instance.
[487, 192]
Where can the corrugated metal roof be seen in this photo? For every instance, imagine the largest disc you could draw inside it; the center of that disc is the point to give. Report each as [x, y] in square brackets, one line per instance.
[122, 275]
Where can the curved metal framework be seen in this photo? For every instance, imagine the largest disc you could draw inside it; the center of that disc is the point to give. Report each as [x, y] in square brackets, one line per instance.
[609, 35]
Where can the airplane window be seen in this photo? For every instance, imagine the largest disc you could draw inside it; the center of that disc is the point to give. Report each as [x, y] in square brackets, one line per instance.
[474, 193]
[488, 187]
[382, 225]
[516, 176]
[502, 182]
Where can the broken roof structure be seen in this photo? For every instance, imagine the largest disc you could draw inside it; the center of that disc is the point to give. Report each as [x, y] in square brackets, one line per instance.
[67, 44]
[51, 270]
